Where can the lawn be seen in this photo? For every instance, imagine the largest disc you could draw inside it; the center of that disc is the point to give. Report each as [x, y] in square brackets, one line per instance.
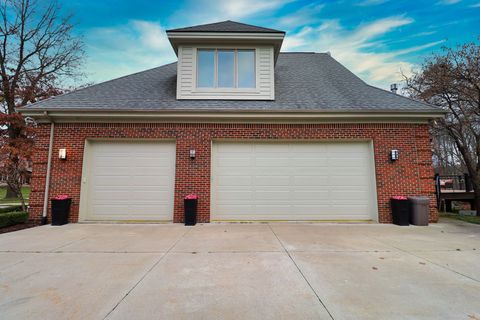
[3, 192]
[471, 219]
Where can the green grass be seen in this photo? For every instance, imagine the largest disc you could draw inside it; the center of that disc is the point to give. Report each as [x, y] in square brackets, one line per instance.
[470, 219]
[3, 192]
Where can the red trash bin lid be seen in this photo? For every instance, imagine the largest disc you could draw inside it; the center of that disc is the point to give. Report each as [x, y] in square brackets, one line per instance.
[61, 197]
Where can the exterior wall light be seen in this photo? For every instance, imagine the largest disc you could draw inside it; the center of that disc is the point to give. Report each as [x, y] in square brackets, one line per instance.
[394, 155]
[192, 154]
[62, 154]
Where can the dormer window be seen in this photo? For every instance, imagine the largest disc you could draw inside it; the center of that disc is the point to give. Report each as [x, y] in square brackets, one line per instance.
[226, 68]
[226, 61]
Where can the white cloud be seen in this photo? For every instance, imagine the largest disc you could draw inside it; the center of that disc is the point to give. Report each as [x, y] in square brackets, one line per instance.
[366, 3]
[360, 49]
[125, 49]
[207, 11]
[448, 2]
[305, 15]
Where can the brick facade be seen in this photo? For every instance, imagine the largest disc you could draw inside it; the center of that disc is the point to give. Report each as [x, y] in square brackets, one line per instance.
[412, 174]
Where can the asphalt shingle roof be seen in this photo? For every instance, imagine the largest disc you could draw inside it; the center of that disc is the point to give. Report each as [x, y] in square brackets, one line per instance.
[226, 26]
[309, 82]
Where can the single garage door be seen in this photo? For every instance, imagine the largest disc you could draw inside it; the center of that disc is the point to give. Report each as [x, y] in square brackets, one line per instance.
[128, 180]
[293, 181]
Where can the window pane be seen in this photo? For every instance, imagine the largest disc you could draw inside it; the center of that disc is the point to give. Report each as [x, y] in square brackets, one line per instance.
[226, 68]
[205, 68]
[246, 68]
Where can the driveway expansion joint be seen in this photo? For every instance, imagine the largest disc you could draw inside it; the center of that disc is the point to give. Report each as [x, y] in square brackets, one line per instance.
[147, 272]
[301, 273]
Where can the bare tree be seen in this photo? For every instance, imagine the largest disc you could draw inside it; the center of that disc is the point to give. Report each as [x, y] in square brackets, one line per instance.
[37, 52]
[15, 153]
[451, 80]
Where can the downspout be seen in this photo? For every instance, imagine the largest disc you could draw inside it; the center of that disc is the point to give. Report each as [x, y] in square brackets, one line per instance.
[49, 164]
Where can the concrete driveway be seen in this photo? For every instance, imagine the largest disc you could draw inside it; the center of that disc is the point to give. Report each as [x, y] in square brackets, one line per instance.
[241, 271]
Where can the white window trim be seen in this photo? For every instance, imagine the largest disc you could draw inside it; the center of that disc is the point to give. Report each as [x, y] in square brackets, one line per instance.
[217, 89]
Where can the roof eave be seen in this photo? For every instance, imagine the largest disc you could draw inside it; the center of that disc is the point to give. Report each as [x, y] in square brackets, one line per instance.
[83, 115]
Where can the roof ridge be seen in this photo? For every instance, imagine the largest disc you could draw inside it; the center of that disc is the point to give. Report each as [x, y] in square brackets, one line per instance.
[206, 26]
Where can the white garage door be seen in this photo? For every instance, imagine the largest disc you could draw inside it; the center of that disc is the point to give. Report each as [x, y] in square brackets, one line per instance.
[131, 180]
[293, 181]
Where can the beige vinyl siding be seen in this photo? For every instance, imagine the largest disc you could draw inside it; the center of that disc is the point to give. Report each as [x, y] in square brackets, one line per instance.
[186, 81]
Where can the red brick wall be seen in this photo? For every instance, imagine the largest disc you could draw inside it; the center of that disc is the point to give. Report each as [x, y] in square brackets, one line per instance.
[412, 174]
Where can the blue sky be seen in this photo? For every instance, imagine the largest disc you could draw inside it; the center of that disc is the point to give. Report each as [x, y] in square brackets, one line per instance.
[376, 39]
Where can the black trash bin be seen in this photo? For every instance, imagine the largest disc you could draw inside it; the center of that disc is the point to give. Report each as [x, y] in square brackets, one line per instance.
[190, 205]
[400, 210]
[60, 210]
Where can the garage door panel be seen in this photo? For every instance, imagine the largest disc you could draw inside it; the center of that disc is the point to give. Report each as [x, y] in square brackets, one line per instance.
[310, 148]
[310, 162]
[271, 210]
[276, 148]
[271, 194]
[310, 180]
[294, 181]
[110, 180]
[311, 194]
[351, 171]
[241, 148]
[235, 195]
[141, 212]
[129, 180]
[157, 162]
[147, 180]
[151, 171]
[272, 162]
[347, 162]
[234, 181]
[347, 180]
[345, 196]
[319, 170]
[353, 148]
[270, 171]
[235, 162]
[272, 180]
[126, 195]
[113, 161]
[110, 171]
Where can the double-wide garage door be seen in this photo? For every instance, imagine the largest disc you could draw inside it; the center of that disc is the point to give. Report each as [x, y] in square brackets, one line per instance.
[134, 180]
[128, 180]
[293, 181]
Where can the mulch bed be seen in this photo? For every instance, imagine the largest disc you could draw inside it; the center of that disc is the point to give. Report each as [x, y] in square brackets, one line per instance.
[17, 227]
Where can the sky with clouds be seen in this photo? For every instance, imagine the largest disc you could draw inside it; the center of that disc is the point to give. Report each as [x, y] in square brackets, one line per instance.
[376, 39]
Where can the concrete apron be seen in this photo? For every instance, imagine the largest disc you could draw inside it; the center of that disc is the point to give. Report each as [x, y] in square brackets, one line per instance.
[241, 271]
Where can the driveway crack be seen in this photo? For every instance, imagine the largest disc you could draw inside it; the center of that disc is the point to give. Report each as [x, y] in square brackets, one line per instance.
[301, 273]
[147, 272]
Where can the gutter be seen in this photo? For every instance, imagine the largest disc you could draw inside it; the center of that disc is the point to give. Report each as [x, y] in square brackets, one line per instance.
[49, 164]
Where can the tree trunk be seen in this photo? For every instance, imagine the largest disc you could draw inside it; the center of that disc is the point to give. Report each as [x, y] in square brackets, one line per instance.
[476, 201]
[11, 194]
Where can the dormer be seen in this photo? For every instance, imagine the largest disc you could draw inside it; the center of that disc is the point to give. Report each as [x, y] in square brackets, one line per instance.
[226, 61]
